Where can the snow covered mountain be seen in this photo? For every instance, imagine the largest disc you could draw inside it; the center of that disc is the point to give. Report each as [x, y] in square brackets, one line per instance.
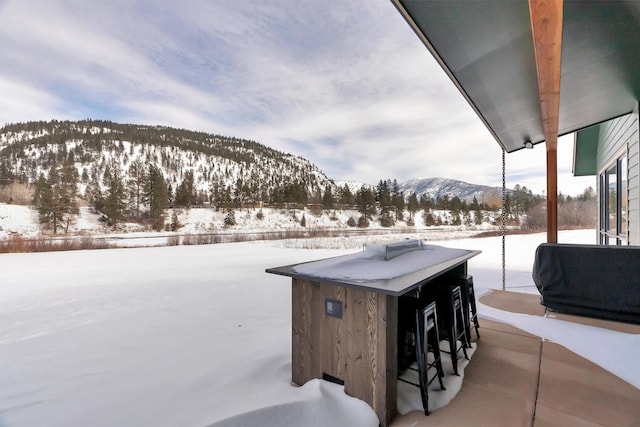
[436, 188]
[217, 162]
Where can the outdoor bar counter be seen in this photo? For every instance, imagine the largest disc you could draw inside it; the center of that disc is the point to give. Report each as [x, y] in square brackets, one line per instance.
[345, 315]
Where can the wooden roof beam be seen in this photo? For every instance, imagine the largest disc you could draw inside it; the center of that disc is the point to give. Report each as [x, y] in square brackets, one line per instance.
[546, 25]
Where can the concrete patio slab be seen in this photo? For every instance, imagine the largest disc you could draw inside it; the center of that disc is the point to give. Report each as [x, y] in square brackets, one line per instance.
[549, 417]
[475, 406]
[502, 327]
[518, 379]
[505, 362]
[577, 387]
[514, 302]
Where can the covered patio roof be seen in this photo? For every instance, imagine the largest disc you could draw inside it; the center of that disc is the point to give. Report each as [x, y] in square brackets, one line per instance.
[487, 49]
[534, 70]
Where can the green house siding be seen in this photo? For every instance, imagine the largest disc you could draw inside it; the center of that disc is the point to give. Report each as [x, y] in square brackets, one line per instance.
[615, 138]
[634, 185]
[585, 151]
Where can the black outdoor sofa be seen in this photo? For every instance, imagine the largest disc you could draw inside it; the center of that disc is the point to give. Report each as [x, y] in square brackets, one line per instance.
[589, 280]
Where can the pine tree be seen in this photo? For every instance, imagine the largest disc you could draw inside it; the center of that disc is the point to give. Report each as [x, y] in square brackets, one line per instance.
[327, 199]
[230, 217]
[429, 219]
[115, 200]
[426, 202]
[42, 199]
[239, 193]
[477, 211]
[366, 201]
[474, 204]
[138, 181]
[398, 205]
[478, 216]
[346, 197]
[175, 221]
[93, 193]
[85, 175]
[56, 197]
[413, 206]
[157, 194]
[185, 193]
[383, 196]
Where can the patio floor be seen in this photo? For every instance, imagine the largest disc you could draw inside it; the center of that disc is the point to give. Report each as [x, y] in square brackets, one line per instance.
[517, 379]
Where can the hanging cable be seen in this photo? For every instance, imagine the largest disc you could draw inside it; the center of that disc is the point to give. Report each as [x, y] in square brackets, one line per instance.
[504, 221]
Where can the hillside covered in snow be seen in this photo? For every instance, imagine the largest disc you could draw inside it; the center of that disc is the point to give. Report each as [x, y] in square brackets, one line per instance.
[217, 162]
[245, 169]
[93, 178]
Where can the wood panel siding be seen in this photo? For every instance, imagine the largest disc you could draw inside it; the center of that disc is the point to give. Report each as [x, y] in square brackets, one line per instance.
[358, 349]
[305, 360]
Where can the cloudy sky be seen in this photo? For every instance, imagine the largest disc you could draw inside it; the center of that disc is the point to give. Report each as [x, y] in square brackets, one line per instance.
[344, 84]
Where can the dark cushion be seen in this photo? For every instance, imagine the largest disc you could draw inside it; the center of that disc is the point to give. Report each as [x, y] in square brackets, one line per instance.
[589, 280]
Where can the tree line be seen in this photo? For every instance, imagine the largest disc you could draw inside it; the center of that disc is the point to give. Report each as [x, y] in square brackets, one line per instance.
[160, 167]
[143, 193]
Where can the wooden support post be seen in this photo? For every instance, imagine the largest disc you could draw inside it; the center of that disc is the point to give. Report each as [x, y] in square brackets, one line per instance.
[546, 26]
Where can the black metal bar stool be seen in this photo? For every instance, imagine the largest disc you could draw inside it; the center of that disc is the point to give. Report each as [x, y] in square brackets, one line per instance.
[469, 302]
[449, 302]
[426, 339]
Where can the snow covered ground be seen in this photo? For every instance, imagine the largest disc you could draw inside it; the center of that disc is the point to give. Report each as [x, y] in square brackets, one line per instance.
[23, 221]
[200, 336]
[18, 219]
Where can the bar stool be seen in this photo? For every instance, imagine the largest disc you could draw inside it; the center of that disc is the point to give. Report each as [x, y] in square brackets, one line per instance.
[407, 306]
[449, 301]
[469, 301]
[426, 338]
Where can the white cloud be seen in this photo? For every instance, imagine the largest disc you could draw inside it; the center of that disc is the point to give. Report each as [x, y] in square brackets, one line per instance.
[20, 100]
[346, 85]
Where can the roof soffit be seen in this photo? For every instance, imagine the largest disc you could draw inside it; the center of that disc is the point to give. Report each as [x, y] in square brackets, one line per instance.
[487, 49]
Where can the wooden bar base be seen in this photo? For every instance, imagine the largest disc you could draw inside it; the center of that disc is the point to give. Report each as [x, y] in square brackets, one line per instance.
[358, 349]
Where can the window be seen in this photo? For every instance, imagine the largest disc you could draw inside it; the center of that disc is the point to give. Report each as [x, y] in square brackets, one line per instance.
[613, 203]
